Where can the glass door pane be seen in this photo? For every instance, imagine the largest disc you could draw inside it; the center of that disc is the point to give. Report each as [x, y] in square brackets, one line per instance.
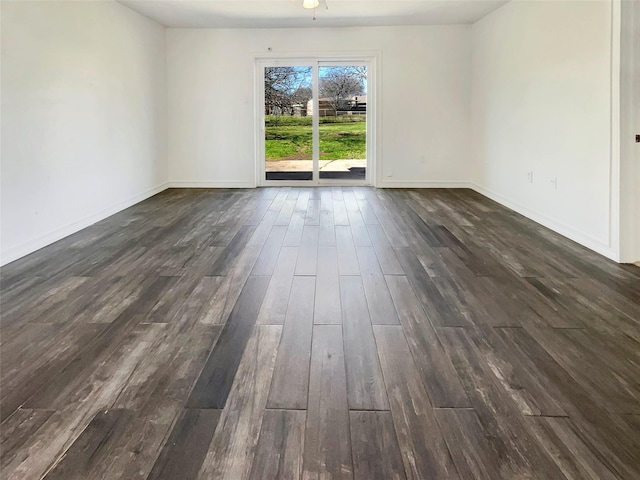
[342, 113]
[288, 124]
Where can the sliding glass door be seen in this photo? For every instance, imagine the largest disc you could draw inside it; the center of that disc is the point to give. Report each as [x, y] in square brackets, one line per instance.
[288, 129]
[313, 122]
[342, 121]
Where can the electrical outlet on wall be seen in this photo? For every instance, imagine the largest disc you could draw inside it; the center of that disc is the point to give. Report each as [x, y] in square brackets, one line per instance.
[530, 176]
[554, 183]
[389, 172]
[422, 160]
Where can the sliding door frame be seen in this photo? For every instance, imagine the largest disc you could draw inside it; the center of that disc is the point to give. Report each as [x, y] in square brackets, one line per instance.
[370, 60]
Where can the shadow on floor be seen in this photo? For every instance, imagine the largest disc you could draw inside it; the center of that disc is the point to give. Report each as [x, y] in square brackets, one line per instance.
[354, 173]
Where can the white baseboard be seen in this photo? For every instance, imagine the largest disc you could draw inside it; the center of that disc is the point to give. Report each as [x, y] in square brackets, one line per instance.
[211, 185]
[558, 227]
[391, 184]
[71, 228]
[302, 184]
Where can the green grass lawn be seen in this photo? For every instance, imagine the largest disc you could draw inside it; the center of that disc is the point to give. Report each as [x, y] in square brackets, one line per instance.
[289, 138]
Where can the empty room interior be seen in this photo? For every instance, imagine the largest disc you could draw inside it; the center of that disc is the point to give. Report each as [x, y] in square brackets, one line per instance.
[320, 239]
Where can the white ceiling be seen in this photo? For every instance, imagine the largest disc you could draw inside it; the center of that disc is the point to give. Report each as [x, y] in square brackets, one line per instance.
[289, 13]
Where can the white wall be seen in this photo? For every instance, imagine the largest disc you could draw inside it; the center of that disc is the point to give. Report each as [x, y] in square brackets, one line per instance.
[541, 102]
[83, 117]
[629, 127]
[423, 86]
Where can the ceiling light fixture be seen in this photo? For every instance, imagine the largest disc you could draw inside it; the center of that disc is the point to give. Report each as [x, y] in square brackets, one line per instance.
[312, 4]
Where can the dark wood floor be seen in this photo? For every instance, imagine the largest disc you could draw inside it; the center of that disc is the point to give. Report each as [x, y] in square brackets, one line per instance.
[320, 334]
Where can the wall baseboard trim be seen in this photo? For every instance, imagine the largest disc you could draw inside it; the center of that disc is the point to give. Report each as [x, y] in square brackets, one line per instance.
[71, 228]
[424, 185]
[558, 227]
[380, 185]
[211, 185]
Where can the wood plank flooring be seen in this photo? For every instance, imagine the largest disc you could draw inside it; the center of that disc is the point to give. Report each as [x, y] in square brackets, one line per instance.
[319, 333]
